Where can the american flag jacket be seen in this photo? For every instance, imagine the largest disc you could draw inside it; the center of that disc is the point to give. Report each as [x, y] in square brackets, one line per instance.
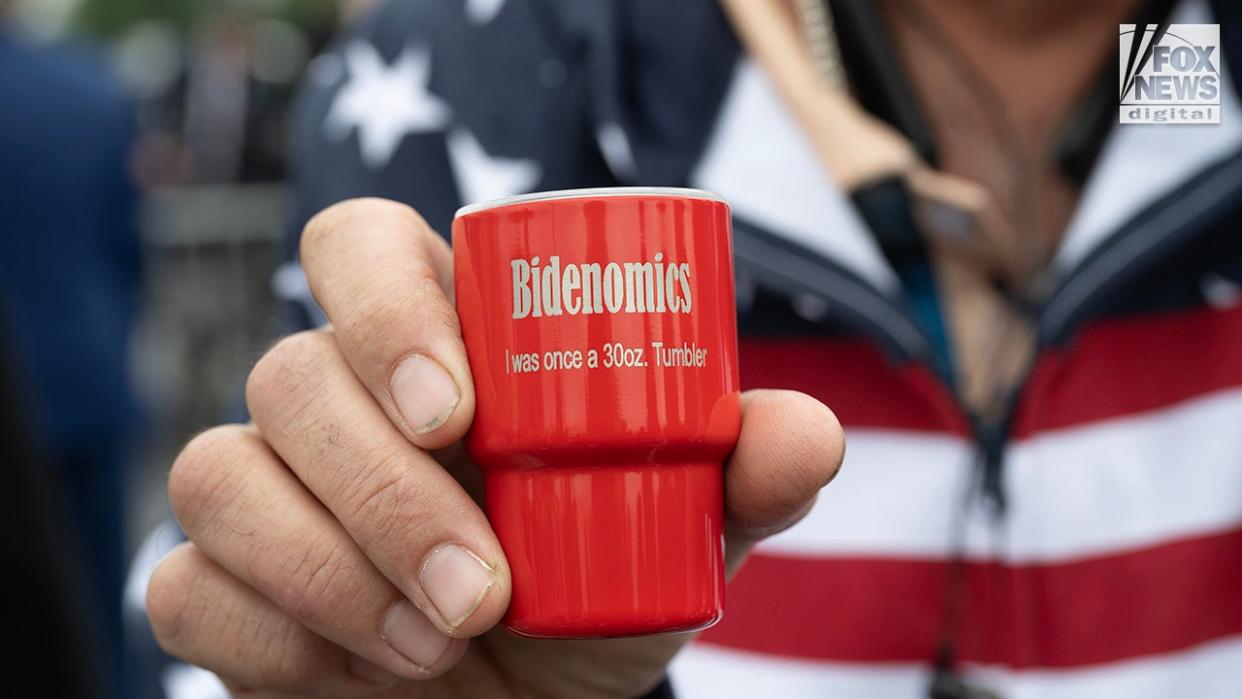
[1114, 567]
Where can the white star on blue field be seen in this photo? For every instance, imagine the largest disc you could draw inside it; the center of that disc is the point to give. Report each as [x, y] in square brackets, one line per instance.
[385, 102]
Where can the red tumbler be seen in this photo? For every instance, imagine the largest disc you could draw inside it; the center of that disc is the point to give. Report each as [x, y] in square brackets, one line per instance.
[601, 330]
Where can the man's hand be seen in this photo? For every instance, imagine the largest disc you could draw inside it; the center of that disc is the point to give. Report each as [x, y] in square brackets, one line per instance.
[337, 547]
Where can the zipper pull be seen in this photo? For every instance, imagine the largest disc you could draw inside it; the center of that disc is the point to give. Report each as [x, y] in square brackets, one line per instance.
[991, 456]
[947, 683]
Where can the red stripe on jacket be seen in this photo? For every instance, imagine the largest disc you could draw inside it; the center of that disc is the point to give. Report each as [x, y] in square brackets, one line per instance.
[1131, 365]
[862, 386]
[1102, 609]
[1113, 368]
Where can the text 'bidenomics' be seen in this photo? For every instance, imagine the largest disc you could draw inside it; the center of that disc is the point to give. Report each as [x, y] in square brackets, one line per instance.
[595, 287]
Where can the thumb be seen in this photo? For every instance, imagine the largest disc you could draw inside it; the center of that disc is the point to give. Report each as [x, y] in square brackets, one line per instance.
[790, 447]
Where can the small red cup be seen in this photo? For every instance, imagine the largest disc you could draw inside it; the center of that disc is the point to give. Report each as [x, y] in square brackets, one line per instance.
[601, 330]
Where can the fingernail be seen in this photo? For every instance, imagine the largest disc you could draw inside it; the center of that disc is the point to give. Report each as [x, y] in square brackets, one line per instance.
[456, 581]
[424, 392]
[412, 634]
[370, 672]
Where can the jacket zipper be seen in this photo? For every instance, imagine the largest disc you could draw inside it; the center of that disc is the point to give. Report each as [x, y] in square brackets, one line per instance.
[852, 297]
[1194, 210]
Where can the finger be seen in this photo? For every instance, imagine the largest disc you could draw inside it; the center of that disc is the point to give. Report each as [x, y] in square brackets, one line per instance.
[245, 511]
[408, 515]
[205, 616]
[790, 447]
[384, 279]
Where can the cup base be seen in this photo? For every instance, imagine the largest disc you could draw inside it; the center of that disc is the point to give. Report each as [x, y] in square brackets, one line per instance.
[612, 627]
[606, 551]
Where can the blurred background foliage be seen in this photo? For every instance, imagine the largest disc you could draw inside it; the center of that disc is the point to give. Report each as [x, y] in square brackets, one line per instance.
[111, 18]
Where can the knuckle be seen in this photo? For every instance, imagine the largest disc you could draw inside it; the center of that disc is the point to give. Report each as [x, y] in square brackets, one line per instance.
[371, 326]
[298, 664]
[436, 309]
[396, 503]
[263, 649]
[227, 632]
[199, 473]
[380, 499]
[397, 305]
[287, 666]
[270, 649]
[397, 321]
[290, 363]
[314, 585]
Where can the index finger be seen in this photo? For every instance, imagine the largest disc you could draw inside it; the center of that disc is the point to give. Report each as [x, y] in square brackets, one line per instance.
[384, 279]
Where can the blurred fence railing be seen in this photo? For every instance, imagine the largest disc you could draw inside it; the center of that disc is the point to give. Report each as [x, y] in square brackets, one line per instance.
[209, 252]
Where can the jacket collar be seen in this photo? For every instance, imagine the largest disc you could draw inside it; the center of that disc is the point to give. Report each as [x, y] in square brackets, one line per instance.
[761, 161]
